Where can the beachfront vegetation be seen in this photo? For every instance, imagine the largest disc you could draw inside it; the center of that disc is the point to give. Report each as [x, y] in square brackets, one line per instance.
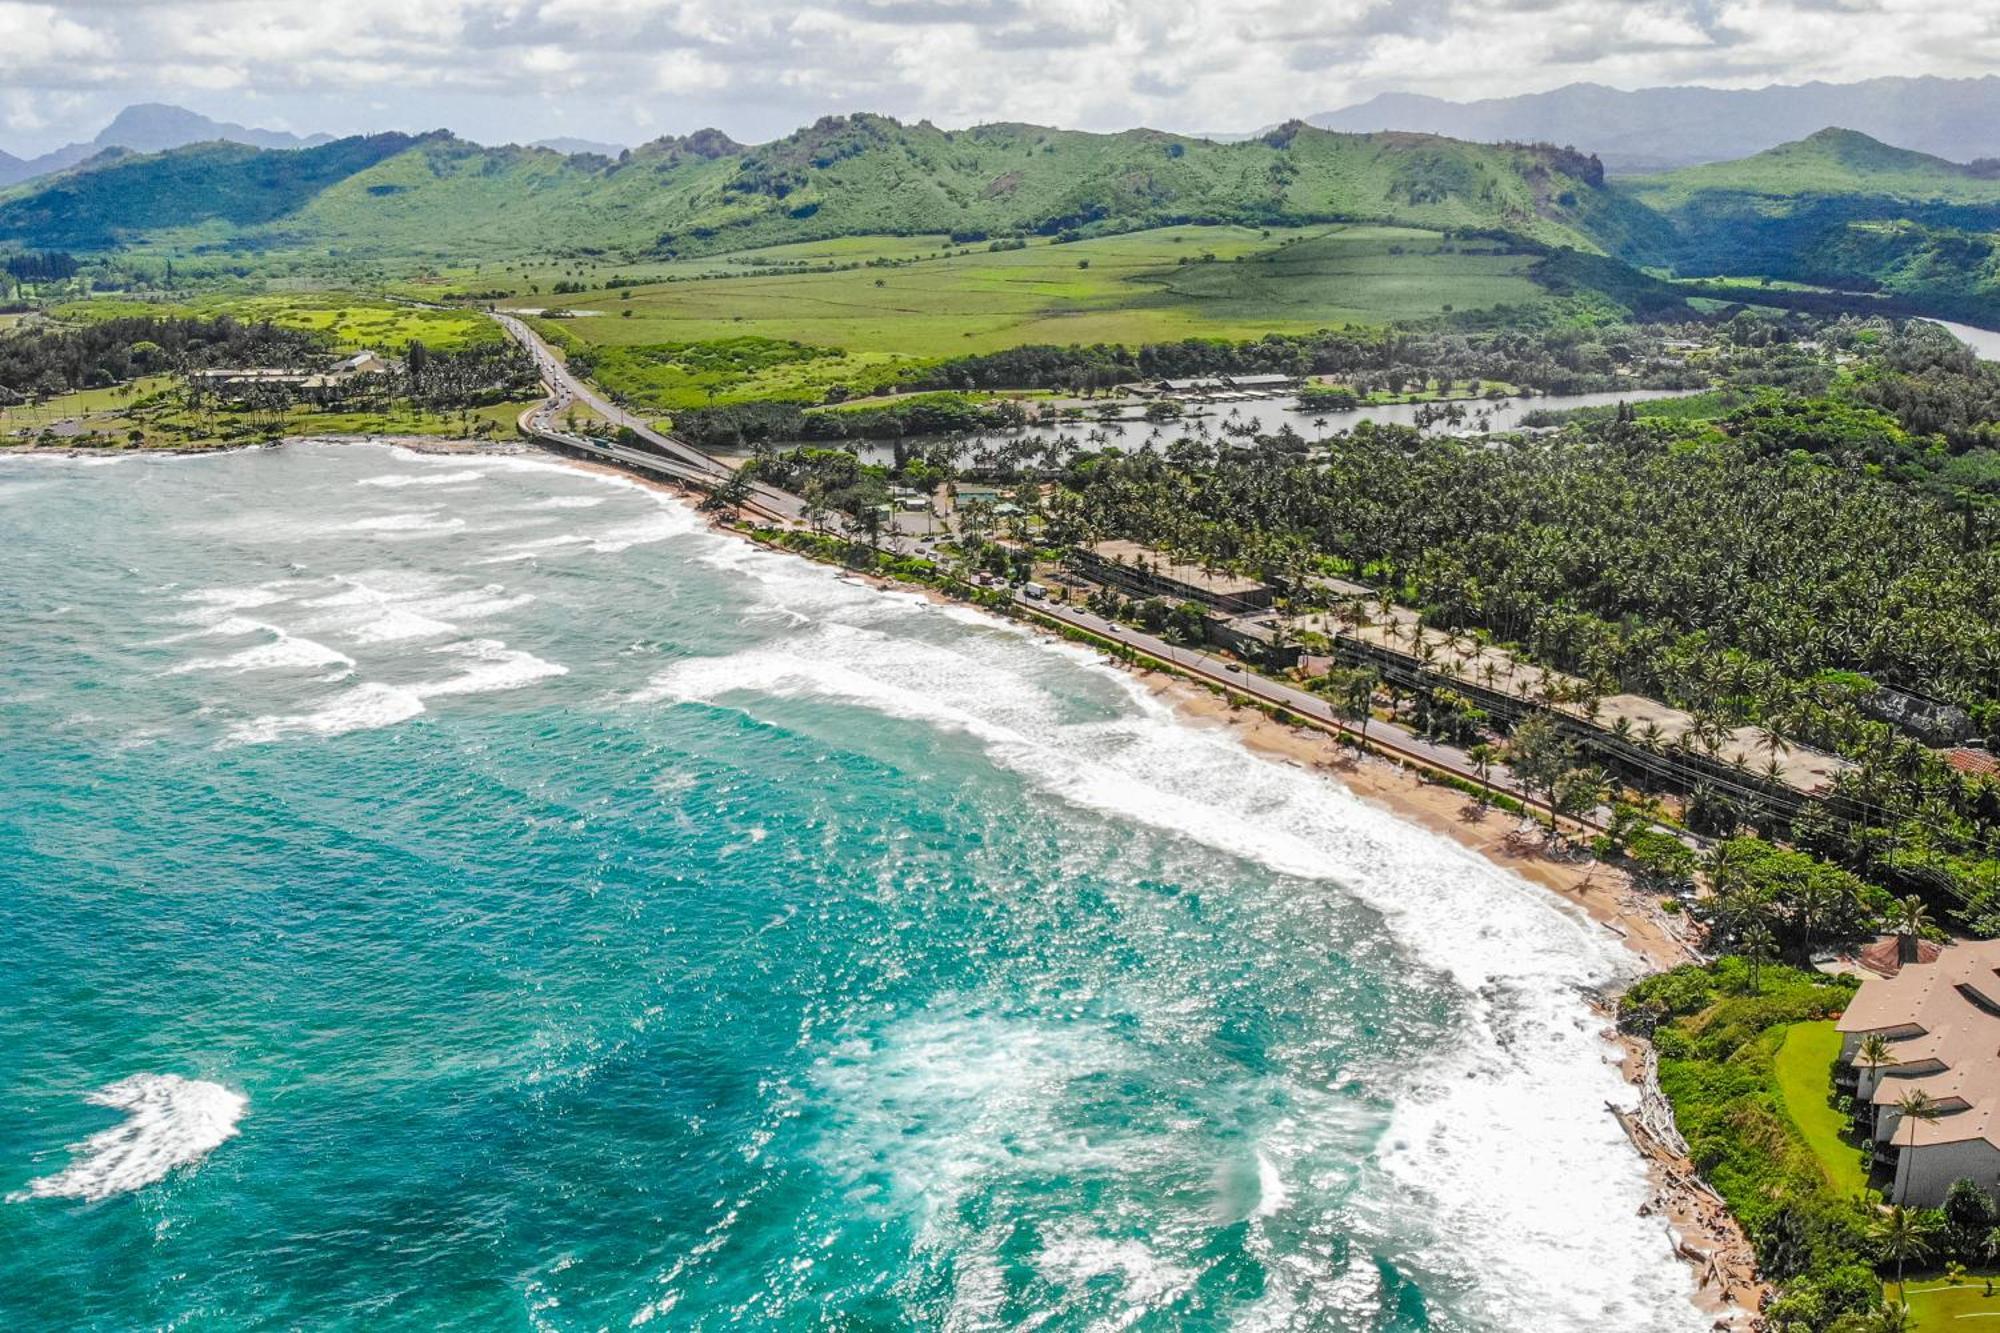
[1756, 1128]
[121, 381]
[56, 360]
[1751, 569]
[1747, 1062]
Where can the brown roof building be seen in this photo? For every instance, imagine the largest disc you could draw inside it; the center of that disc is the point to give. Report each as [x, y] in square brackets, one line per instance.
[1145, 572]
[1941, 1020]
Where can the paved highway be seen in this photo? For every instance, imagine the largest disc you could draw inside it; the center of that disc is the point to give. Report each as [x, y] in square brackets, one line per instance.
[683, 462]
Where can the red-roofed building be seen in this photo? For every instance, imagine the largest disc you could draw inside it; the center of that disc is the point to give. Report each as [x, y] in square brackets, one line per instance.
[1965, 759]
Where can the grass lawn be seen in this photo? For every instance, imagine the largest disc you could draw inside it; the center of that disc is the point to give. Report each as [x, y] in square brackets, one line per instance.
[1936, 1305]
[861, 324]
[1804, 1069]
[352, 321]
[108, 420]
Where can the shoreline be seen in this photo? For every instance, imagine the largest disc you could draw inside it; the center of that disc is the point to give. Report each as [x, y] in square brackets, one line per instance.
[1700, 1230]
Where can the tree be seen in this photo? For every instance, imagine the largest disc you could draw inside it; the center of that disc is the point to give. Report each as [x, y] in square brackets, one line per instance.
[732, 493]
[1578, 791]
[1968, 1216]
[1874, 1055]
[1903, 1234]
[1909, 919]
[1757, 946]
[1357, 697]
[1540, 755]
[1483, 757]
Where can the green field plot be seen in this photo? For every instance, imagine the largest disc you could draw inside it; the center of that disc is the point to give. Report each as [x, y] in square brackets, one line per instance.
[671, 344]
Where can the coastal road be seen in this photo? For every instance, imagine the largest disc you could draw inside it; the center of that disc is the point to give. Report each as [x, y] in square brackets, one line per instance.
[680, 461]
[1392, 737]
[687, 463]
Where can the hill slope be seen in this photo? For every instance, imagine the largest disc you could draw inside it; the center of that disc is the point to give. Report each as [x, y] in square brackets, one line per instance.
[436, 198]
[149, 127]
[1656, 128]
[1837, 209]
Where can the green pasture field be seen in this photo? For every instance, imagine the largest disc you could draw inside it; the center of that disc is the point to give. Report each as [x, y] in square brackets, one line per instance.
[352, 321]
[112, 415]
[792, 335]
[1940, 1306]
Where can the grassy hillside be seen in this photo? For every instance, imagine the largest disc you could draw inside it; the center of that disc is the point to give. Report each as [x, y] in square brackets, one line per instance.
[870, 317]
[1831, 162]
[226, 186]
[1838, 210]
[433, 200]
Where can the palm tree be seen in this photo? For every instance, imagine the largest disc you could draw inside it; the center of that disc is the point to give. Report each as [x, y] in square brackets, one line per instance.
[1917, 1104]
[1902, 1235]
[1908, 920]
[1758, 946]
[1874, 1054]
[1483, 756]
[1893, 1317]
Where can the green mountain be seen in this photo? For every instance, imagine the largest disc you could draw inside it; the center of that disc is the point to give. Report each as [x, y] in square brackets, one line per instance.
[1833, 162]
[1837, 209]
[434, 198]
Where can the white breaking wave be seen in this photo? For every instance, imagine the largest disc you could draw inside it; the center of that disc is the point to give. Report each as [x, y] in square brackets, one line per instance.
[391, 606]
[217, 604]
[283, 651]
[400, 479]
[668, 521]
[169, 1121]
[362, 707]
[489, 666]
[569, 502]
[422, 522]
[1544, 1233]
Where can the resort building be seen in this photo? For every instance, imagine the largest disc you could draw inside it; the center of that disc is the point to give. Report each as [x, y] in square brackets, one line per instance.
[237, 381]
[1142, 571]
[1940, 1020]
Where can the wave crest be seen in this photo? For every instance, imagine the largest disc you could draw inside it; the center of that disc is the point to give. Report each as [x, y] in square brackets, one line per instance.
[170, 1121]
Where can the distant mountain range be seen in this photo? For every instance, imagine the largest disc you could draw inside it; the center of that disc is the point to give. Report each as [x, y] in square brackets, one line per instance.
[150, 127]
[438, 198]
[1655, 129]
[1834, 209]
[570, 147]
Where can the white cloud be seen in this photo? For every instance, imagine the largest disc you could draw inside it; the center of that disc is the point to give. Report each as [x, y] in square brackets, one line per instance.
[758, 67]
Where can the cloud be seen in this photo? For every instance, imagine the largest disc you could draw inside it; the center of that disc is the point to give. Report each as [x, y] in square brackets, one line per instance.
[630, 68]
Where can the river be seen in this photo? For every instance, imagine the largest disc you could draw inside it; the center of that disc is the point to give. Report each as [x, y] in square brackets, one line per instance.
[1266, 416]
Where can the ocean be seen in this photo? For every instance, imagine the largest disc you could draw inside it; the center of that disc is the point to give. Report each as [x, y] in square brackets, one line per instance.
[464, 892]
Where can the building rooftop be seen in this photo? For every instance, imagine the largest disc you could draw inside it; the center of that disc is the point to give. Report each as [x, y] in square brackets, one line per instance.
[1219, 583]
[1941, 1020]
[1965, 759]
[1497, 669]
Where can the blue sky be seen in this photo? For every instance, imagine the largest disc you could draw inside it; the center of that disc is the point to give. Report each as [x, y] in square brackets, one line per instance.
[626, 70]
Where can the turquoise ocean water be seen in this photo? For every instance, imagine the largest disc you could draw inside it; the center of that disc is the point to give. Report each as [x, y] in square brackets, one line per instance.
[463, 893]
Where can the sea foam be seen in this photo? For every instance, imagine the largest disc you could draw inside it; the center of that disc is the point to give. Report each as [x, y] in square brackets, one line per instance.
[169, 1122]
[396, 480]
[1545, 1232]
